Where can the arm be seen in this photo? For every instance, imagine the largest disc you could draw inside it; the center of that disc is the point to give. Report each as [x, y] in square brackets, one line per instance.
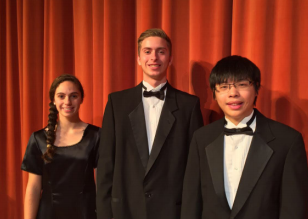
[294, 188]
[196, 120]
[95, 173]
[192, 198]
[105, 166]
[96, 156]
[32, 197]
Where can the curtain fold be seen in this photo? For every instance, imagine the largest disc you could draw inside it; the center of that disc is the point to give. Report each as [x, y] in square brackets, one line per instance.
[271, 34]
[96, 41]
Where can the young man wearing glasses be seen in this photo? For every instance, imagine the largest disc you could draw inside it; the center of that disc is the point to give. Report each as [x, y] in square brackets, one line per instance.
[244, 165]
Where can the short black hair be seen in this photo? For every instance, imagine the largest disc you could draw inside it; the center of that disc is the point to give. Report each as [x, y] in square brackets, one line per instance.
[236, 68]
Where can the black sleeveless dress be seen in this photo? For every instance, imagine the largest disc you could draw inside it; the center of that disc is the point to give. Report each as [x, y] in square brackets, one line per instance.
[68, 186]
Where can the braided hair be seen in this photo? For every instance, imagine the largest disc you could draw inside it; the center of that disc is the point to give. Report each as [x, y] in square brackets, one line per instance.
[53, 113]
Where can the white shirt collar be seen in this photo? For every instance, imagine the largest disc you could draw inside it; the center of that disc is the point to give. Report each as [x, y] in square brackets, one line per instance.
[150, 88]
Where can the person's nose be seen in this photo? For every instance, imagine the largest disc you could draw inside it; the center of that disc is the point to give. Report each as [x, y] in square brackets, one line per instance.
[153, 55]
[232, 90]
[67, 100]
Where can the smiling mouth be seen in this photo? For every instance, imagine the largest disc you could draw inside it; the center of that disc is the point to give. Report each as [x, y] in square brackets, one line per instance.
[68, 109]
[234, 104]
[154, 65]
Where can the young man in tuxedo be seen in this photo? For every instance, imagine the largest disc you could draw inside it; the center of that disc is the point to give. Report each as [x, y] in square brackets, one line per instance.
[146, 134]
[244, 165]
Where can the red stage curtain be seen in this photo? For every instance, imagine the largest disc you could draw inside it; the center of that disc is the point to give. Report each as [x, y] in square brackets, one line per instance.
[96, 41]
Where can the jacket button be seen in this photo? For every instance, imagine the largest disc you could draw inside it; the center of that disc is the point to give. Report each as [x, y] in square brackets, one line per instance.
[148, 195]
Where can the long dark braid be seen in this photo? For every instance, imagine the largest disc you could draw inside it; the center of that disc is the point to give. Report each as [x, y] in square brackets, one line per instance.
[51, 132]
[53, 114]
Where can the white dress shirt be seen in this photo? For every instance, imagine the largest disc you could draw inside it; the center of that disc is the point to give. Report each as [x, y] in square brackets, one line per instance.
[236, 148]
[152, 110]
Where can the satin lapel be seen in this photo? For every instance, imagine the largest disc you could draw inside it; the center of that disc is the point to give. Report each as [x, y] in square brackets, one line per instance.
[165, 124]
[215, 156]
[137, 121]
[258, 156]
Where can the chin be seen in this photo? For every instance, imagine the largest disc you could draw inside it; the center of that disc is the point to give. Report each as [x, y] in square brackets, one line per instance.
[69, 115]
[235, 115]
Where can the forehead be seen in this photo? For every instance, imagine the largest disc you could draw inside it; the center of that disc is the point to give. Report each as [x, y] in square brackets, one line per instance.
[231, 79]
[67, 87]
[154, 42]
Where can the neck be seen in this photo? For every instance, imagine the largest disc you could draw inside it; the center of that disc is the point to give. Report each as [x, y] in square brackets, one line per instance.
[69, 123]
[235, 121]
[154, 82]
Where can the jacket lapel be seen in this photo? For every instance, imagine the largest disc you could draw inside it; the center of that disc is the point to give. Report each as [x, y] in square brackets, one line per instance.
[258, 156]
[165, 124]
[214, 153]
[137, 121]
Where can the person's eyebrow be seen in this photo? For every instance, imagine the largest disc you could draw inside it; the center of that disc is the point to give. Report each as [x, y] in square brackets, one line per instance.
[75, 92]
[145, 48]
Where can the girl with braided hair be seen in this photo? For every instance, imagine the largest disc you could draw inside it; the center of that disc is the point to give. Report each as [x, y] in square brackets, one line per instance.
[61, 158]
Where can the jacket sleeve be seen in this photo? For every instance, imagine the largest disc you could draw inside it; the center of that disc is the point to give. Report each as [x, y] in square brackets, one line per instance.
[105, 166]
[192, 198]
[294, 188]
[196, 120]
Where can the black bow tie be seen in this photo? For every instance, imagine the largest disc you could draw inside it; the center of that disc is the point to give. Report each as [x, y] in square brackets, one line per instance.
[159, 94]
[237, 131]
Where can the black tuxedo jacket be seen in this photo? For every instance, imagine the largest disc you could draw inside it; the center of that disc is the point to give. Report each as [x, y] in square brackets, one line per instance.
[131, 184]
[274, 182]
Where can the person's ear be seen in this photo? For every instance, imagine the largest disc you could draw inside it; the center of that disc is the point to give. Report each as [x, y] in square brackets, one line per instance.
[138, 60]
[170, 60]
